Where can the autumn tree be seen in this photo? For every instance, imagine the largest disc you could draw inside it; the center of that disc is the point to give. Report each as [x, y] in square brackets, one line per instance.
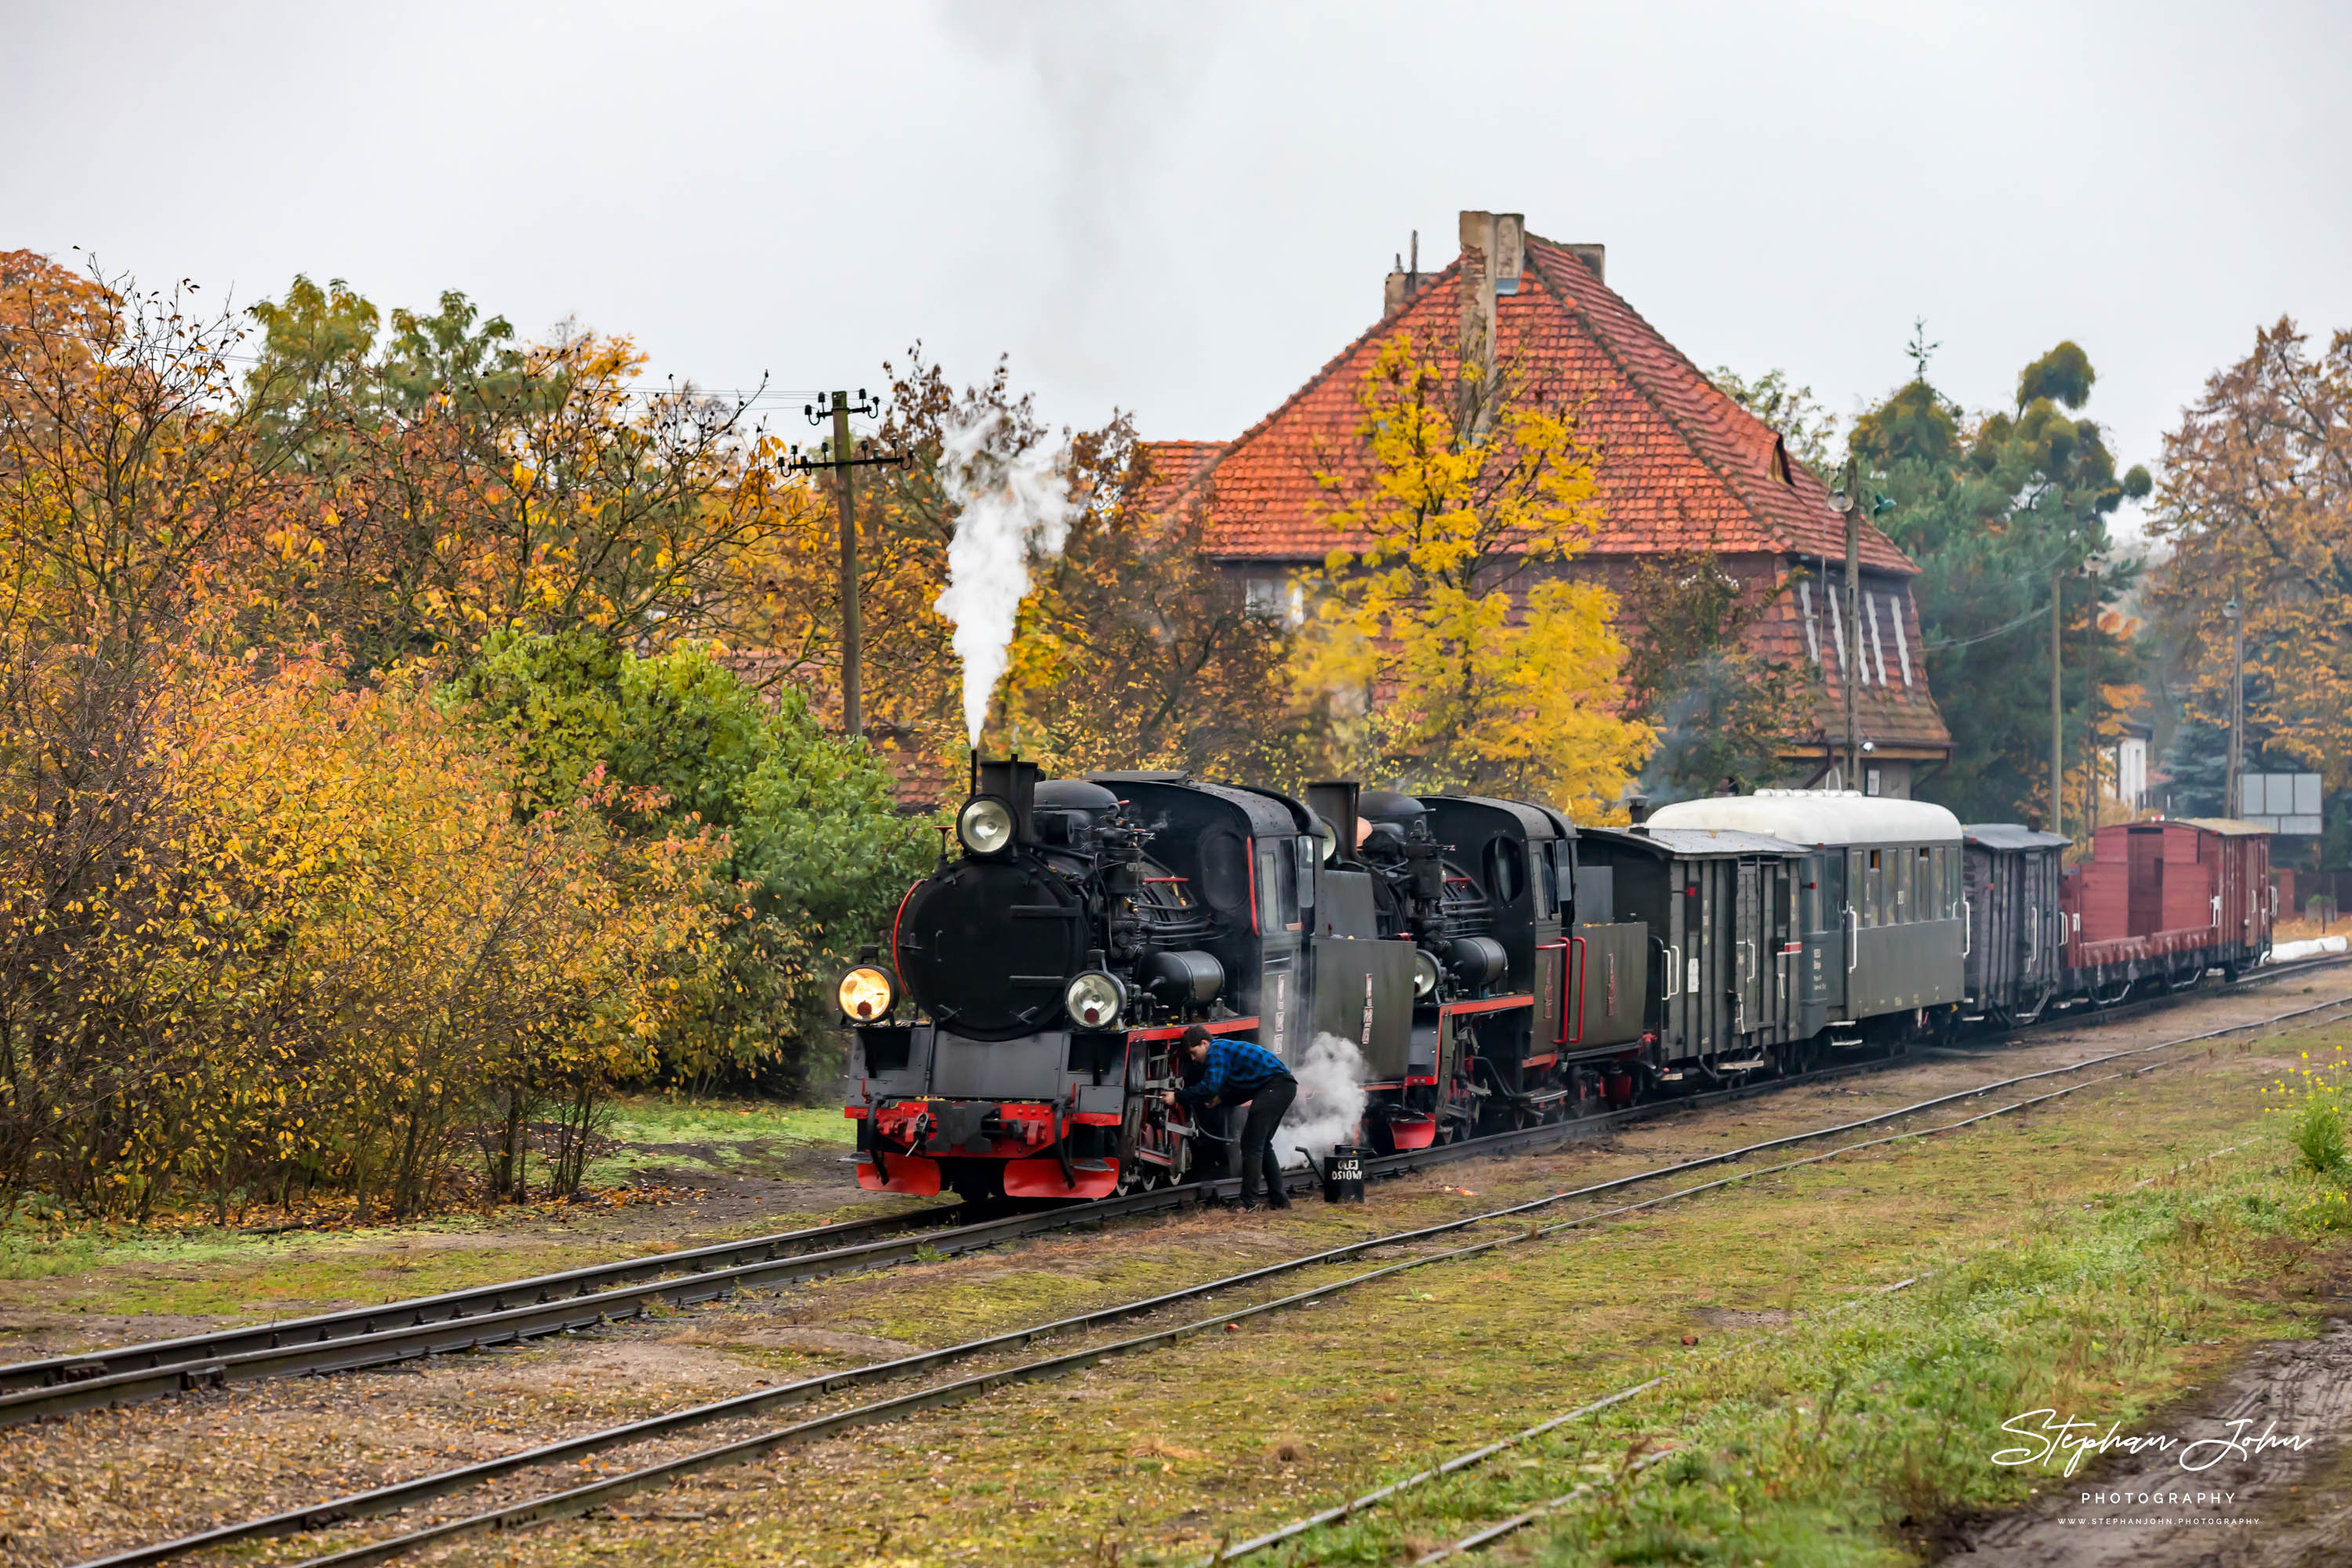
[459, 482]
[134, 489]
[1993, 507]
[1450, 650]
[1720, 710]
[2256, 506]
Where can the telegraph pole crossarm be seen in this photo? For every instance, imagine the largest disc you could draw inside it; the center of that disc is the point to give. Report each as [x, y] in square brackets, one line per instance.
[843, 459]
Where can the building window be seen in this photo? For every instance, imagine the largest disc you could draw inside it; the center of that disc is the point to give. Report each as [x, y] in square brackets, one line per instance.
[1275, 599]
[1870, 781]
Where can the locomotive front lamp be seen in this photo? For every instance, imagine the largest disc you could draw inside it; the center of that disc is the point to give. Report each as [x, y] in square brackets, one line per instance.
[866, 993]
[985, 825]
[1425, 972]
[1095, 999]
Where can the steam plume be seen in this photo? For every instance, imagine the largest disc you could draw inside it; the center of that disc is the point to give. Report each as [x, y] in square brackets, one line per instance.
[1330, 1102]
[1015, 504]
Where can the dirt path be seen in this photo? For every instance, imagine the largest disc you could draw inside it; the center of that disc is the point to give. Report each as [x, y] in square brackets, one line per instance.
[2276, 1508]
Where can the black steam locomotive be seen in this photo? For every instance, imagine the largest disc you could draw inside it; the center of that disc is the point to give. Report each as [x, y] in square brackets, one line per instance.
[1047, 973]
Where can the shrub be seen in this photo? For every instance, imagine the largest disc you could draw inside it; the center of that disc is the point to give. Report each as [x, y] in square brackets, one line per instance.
[812, 854]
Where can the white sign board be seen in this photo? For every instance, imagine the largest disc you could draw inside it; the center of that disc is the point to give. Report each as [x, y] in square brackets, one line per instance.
[2283, 803]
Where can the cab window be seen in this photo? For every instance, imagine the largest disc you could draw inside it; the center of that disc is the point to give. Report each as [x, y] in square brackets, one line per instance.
[1506, 870]
[1277, 890]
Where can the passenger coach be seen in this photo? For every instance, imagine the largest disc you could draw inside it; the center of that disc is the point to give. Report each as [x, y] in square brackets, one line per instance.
[1879, 923]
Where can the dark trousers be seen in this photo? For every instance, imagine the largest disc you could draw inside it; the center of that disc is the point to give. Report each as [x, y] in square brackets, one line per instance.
[1258, 1161]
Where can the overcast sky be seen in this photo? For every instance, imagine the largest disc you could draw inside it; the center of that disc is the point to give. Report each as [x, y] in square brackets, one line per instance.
[1185, 209]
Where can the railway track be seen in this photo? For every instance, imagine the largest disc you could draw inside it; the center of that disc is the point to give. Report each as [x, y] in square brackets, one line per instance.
[600, 1294]
[581, 1498]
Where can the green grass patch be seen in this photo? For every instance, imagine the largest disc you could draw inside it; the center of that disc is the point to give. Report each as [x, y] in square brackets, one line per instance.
[679, 1135]
[1847, 1437]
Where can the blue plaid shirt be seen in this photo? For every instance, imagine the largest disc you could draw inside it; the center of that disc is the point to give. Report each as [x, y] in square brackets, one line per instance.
[1236, 1070]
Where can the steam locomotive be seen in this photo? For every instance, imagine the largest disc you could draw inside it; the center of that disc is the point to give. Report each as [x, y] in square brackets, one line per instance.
[1490, 964]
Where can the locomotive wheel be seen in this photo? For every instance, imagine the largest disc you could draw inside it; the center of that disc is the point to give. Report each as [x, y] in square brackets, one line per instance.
[1136, 1174]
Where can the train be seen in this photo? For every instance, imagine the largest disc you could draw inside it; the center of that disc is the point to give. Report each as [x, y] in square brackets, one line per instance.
[1477, 963]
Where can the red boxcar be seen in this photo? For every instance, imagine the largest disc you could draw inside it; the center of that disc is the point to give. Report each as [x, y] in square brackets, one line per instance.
[2164, 902]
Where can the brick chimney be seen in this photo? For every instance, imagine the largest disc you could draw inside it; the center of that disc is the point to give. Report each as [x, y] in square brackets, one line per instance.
[1494, 250]
[1403, 282]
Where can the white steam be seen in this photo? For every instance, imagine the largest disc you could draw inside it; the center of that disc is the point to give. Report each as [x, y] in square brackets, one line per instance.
[1330, 1102]
[1014, 506]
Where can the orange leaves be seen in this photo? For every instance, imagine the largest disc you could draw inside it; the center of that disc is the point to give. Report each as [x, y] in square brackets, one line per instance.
[347, 935]
[2257, 504]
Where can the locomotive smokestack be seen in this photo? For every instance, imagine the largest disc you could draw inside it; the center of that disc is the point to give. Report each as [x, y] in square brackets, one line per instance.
[1015, 783]
[1334, 801]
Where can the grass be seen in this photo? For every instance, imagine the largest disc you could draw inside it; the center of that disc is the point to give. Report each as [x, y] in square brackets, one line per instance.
[179, 1268]
[1838, 1413]
[681, 1136]
[1846, 1438]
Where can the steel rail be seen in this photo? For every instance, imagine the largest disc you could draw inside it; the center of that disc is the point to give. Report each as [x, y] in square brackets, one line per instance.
[1233, 1551]
[451, 1305]
[469, 1319]
[426, 1487]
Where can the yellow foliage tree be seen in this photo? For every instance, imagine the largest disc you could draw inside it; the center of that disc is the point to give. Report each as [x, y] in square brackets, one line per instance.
[332, 953]
[2256, 504]
[1449, 650]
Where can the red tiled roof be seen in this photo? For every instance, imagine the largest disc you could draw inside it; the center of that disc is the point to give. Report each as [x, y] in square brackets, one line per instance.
[1682, 465]
[1893, 704]
[1173, 466]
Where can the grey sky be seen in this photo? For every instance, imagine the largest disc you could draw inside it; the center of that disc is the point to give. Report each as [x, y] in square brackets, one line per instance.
[1185, 209]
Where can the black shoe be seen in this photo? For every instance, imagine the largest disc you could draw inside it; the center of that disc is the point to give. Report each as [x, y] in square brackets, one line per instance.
[1277, 1200]
[1247, 1206]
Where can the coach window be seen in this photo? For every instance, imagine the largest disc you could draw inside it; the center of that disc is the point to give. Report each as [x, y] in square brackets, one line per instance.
[1874, 877]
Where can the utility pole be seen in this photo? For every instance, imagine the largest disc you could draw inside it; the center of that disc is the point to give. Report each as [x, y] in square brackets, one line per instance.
[2091, 703]
[2057, 715]
[1848, 500]
[839, 457]
[2233, 800]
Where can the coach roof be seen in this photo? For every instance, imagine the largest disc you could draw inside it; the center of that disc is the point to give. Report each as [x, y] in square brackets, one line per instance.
[1817, 816]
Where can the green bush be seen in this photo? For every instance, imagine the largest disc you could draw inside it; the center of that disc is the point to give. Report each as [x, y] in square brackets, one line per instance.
[816, 851]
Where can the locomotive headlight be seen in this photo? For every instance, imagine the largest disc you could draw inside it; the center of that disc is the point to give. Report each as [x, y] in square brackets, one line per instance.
[866, 993]
[1425, 972]
[1095, 999]
[985, 825]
